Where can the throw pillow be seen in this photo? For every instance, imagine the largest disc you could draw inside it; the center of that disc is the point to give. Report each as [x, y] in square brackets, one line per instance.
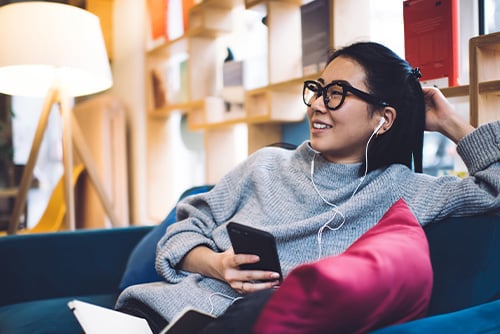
[141, 263]
[383, 278]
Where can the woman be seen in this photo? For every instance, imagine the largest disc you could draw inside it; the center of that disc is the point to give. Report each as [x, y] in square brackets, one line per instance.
[367, 114]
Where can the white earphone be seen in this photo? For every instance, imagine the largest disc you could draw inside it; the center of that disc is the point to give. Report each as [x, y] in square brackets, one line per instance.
[380, 123]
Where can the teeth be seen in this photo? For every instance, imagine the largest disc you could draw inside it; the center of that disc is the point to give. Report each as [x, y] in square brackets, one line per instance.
[321, 126]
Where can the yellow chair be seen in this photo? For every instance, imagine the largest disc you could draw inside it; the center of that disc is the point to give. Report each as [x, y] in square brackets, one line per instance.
[52, 219]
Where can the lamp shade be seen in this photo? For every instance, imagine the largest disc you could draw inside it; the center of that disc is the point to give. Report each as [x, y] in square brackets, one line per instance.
[44, 43]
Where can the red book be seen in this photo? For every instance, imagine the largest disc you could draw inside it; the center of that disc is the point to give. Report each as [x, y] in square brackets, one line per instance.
[186, 6]
[157, 10]
[431, 39]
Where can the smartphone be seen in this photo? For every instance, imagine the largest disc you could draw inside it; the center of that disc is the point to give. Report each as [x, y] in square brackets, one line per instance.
[249, 240]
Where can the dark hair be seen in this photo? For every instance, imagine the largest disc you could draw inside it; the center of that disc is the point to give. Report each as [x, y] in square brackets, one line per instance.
[393, 80]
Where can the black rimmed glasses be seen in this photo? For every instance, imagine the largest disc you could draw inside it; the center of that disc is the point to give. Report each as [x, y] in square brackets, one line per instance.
[334, 94]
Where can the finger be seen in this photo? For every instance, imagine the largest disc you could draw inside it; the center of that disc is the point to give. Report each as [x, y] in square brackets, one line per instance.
[249, 287]
[240, 259]
[257, 275]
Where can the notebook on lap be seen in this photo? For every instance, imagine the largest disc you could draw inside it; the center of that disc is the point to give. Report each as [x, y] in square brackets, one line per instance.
[96, 319]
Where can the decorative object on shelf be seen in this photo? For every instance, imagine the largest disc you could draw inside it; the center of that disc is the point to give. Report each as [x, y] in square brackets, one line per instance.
[57, 51]
[233, 91]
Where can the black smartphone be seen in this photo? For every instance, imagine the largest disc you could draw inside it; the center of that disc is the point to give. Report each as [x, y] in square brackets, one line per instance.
[249, 240]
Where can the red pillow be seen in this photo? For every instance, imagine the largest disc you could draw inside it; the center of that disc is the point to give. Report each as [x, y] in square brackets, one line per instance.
[383, 278]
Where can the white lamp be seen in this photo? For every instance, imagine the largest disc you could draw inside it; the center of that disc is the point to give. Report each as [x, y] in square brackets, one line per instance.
[57, 51]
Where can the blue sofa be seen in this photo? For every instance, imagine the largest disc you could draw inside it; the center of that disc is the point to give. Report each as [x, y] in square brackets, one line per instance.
[40, 273]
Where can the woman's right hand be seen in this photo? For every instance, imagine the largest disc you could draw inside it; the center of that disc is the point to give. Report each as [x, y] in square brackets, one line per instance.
[225, 266]
[245, 281]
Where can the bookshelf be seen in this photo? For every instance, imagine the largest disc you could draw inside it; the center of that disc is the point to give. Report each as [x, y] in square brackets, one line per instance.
[157, 181]
[267, 107]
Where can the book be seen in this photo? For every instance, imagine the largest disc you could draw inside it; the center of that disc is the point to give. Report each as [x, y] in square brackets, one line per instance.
[316, 35]
[431, 40]
[96, 319]
[159, 88]
[157, 11]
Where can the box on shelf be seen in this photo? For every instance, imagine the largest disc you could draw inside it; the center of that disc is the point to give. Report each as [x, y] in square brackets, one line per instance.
[239, 76]
[233, 91]
[431, 40]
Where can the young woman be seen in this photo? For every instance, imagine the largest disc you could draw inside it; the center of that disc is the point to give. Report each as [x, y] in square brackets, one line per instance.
[367, 114]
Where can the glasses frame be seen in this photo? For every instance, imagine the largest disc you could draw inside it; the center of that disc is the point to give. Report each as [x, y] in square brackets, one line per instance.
[346, 87]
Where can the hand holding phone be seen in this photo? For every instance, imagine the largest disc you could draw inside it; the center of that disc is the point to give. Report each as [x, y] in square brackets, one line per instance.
[249, 240]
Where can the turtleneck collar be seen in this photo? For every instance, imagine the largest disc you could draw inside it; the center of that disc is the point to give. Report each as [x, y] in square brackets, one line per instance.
[324, 170]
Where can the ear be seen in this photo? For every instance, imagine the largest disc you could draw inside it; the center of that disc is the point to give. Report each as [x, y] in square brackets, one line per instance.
[389, 115]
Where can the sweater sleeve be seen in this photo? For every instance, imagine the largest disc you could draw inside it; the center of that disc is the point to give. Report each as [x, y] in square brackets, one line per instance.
[481, 148]
[436, 198]
[200, 220]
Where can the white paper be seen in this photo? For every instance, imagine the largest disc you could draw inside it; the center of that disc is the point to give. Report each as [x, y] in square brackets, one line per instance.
[100, 320]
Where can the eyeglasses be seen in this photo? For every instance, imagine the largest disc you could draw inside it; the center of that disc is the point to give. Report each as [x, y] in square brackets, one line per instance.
[334, 94]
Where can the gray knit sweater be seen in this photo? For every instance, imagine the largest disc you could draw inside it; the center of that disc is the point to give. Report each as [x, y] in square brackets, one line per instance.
[273, 190]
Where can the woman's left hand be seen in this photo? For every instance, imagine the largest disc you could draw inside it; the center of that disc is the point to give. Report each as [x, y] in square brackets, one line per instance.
[441, 117]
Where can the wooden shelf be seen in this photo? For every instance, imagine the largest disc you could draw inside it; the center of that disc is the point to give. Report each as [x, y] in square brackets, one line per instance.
[252, 3]
[484, 59]
[164, 49]
[489, 87]
[165, 111]
[458, 91]
[261, 104]
[229, 4]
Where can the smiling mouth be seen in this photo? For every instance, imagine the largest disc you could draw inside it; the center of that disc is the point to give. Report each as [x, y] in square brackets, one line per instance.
[321, 126]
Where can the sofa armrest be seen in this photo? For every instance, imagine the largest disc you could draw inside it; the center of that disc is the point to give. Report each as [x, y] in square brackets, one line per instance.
[51, 265]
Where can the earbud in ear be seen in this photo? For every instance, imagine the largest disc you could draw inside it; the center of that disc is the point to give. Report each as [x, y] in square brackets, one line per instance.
[380, 123]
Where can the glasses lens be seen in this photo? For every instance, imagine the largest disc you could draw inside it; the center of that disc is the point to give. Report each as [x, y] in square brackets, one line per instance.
[311, 92]
[334, 96]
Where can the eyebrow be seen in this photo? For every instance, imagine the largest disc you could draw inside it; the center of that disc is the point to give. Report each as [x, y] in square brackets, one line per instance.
[321, 80]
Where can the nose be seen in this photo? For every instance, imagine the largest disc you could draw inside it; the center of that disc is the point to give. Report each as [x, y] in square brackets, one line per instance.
[318, 104]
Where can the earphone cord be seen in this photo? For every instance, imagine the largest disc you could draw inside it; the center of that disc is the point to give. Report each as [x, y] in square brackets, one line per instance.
[212, 306]
[335, 207]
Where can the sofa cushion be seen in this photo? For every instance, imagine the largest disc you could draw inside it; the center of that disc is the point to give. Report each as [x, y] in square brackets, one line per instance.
[482, 319]
[47, 315]
[383, 278]
[141, 263]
